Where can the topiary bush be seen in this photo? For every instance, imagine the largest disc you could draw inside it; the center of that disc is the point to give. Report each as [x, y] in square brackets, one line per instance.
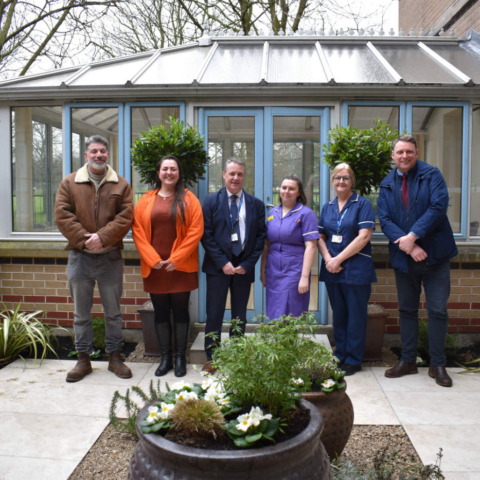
[176, 139]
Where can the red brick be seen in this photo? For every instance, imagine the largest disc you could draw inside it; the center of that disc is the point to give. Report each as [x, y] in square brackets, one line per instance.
[459, 321]
[452, 329]
[57, 299]
[391, 321]
[388, 304]
[33, 298]
[58, 314]
[97, 301]
[128, 301]
[458, 305]
[475, 321]
[469, 329]
[13, 298]
[136, 325]
[392, 329]
[141, 300]
[129, 316]
[65, 323]
[476, 305]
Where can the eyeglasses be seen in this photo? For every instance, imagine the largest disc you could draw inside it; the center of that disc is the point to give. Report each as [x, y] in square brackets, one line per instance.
[338, 178]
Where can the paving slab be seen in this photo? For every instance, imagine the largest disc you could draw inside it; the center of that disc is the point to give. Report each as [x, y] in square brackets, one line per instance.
[15, 468]
[461, 475]
[34, 435]
[370, 404]
[421, 382]
[459, 443]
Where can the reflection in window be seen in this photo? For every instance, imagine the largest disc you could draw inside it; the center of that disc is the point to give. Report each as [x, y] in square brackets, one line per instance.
[36, 167]
[475, 181]
[94, 121]
[143, 118]
[439, 135]
[231, 137]
[365, 117]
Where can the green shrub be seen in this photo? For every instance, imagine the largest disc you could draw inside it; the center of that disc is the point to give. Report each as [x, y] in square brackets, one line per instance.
[20, 332]
[451, 341]
[98, 326]
[185, 143]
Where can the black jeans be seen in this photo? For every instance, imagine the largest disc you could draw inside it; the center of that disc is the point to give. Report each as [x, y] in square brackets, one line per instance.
[436, 283]
[163, 303]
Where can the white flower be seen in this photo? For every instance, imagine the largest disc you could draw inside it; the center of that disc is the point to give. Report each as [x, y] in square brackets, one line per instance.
[184, 395]
[224, 402]
[297, 381]
[207, 384]
[166, 407]
[256, 416]
[154, 415]
[328, 383]
[244, 423]
[419, 360]
[180, 385]
[209, 397]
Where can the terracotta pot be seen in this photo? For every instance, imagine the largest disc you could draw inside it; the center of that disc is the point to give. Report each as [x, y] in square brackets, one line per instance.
[337, 412]
[301, 457]
[377, 316]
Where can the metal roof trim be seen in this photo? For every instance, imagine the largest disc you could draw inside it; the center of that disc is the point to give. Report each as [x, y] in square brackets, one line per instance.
[35, 76]
[325, 65]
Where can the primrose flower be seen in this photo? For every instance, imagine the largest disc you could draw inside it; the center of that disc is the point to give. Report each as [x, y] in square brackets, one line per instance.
[256, 416]
[297, 382]
[166, 407]
[244, 422]
[419, 360]
[224, 402]
[180, 385]
[154, 415]
[183, 395]
[328, 383]
[207, 384]
[210, 396]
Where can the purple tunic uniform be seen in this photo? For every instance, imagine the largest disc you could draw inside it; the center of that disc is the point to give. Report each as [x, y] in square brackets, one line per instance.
[287, 237]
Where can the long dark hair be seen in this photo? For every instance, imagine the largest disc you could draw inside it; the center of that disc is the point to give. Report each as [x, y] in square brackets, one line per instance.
[301, 194]
[179, 195]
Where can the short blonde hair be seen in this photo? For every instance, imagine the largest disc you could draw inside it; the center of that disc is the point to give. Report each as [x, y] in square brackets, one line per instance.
[343, 166]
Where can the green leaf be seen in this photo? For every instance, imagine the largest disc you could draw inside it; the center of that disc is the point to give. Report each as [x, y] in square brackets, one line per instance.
[272, 429]
[241, 442]
[157, 427]
[147, 429]
[253, 438]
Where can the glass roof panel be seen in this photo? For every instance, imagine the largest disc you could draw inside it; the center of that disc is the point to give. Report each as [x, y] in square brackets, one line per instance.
[416, 66]
[295, 64]
[176, 67]
[52, 80]
[355, 64]
[235, 64]
[111, 73]
[465, 60]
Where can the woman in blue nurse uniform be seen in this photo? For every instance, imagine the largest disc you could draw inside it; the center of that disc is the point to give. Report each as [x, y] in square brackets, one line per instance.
[346, 226]
[292, 237]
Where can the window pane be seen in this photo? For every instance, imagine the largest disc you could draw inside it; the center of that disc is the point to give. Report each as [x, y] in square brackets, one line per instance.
[94, 121]
[365, 116]
[439, 135]
[475, 188]
[36, 167]
[144, 118]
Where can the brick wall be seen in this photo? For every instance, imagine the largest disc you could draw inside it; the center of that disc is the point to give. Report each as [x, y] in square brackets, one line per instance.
[424, 13]
[463, 304]
[41, 284]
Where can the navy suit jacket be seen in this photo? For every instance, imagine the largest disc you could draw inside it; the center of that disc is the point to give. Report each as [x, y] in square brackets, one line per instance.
[217, 240]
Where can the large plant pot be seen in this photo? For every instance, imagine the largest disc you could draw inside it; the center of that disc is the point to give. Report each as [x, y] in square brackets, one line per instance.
[302, 457]
[377, 316]
[337, 412]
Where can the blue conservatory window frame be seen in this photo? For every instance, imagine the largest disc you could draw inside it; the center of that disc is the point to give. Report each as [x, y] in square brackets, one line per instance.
[406, 124]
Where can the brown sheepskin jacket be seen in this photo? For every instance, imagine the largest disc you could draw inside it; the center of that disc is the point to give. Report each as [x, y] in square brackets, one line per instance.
[78, 212]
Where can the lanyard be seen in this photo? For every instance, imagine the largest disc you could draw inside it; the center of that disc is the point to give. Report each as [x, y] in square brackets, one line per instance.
[340, 220]
[238, 212]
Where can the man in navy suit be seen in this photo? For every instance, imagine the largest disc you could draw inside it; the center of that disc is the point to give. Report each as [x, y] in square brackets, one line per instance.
[233, 241]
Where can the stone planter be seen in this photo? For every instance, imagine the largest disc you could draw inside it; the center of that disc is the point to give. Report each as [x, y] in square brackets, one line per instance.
[148, 327]
[337, 412]
[377, 315]
[302, 457]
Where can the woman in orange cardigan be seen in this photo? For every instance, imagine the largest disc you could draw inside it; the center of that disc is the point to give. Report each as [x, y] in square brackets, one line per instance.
[167, 227]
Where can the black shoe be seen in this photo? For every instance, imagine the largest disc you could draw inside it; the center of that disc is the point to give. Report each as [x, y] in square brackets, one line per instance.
[351, 369]
[180, 366]
[180, 334]
[165, 365]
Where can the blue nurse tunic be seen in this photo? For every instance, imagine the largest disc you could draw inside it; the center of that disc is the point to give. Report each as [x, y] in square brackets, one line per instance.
[287, 237]
[349, 290]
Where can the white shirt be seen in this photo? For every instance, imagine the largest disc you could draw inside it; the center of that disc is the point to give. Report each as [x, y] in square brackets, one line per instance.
[242, 215]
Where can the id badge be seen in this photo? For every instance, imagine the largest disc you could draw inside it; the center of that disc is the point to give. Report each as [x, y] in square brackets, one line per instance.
[337, 238]
[234, 237]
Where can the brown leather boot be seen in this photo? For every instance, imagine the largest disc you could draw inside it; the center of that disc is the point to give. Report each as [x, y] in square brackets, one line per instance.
[401, 369]
[440, 375]
[82, 368]
[116, 365]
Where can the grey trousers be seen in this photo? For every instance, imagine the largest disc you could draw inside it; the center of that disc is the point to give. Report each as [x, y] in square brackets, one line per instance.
[82, 272]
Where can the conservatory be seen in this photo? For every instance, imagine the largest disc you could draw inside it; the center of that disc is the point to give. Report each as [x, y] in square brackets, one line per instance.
[270, 100]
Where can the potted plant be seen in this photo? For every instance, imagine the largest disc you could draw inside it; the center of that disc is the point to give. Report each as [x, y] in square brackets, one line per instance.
[185, 143]
[369, 153]
[322, 383]
[241, 416]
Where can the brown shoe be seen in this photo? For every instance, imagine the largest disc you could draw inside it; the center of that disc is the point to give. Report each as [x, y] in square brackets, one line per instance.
[209, 368]
[401, 369]
[440, 375]
[116, 365]
[82, 368]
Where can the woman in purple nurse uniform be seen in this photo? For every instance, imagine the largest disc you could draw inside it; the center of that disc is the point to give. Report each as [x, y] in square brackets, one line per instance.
[292, 236]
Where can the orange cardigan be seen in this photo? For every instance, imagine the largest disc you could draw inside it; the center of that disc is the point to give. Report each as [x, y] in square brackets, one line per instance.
[185, 248]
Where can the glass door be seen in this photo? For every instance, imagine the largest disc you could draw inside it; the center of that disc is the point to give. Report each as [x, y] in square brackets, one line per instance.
[233, 133]
[293, 144]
